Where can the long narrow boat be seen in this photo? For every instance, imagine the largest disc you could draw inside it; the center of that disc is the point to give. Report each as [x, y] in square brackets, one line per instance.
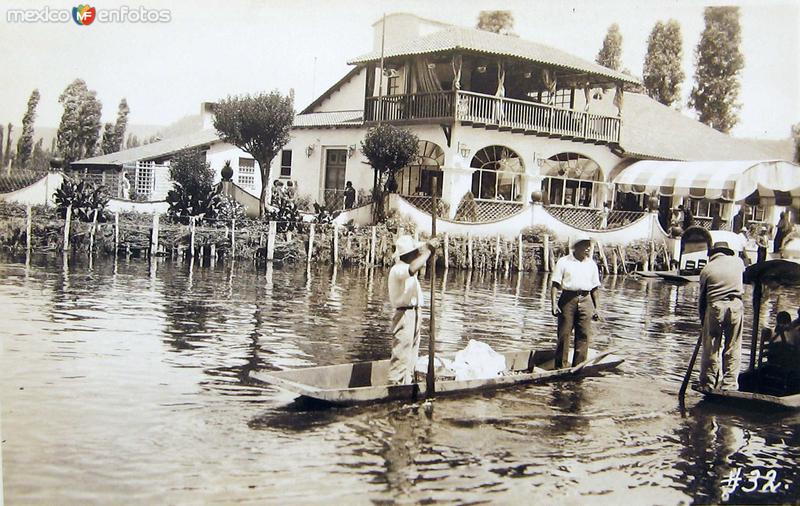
[765, 384]
[365, 382]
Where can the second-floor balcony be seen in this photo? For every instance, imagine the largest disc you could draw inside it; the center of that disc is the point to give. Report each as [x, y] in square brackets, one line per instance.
[493, 112]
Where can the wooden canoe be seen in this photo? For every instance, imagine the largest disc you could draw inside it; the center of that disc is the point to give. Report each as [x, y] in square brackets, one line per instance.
[365, 382]
[758, 388]
[680, 278]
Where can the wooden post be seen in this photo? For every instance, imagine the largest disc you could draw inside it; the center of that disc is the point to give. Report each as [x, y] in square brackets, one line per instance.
[519, 254]
[273, 232]
[154, 235]
[191, 238]
[614, 261]
[430, 386]
[546, 254]
[603, 257]
[446, 251]
[652, 248]
[497, 253]
[28, 227]
[335, 245]
[372, 246]
[116, 233]
[212, 254]
[67, 223]
[91, 232]
[622, 258]
[233, 238]
[311, 244]
[469, 251]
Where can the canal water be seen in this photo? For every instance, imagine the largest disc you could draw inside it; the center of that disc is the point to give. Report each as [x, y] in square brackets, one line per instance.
[125, 382]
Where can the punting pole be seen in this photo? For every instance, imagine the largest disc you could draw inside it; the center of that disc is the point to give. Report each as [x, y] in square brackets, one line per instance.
[430, 380]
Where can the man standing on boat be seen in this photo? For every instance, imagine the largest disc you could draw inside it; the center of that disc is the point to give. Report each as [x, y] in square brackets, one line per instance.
[405, 295]
[721, 313]
[578, 278]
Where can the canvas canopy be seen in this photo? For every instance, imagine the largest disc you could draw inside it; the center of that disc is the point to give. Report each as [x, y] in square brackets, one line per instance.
[765, 181]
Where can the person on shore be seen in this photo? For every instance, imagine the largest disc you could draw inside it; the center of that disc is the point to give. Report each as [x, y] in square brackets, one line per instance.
[688, 218]
[721, 313]
[405, 295]
[784, 227]
[349, 195]
[762, 242]
[740, 220]
[578, 278]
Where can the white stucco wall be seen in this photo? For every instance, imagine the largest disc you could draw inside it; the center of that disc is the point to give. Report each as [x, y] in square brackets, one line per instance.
[39, 193]
[220, 152]
[350, 97]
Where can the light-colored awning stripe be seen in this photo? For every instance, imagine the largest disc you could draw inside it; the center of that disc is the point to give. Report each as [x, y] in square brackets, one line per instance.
[728, 180]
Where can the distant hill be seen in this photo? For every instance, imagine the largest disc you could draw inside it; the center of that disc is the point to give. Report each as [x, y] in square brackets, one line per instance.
[49, 133]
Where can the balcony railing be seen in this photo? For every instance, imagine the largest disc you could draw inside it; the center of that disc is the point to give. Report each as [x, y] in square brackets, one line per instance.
[493, 111]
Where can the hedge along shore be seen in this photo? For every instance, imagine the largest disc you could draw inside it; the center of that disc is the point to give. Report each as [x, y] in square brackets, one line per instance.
[42, 230]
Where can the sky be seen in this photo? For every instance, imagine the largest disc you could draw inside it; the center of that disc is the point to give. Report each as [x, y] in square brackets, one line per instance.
[208, 50]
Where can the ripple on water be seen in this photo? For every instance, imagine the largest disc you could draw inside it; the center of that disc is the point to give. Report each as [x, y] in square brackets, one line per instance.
[135, 382]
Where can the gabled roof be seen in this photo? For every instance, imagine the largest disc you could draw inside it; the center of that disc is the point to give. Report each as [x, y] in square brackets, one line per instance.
[329, 119]
[653, 130]
[153, 150]
[469, 39]
[330, 91]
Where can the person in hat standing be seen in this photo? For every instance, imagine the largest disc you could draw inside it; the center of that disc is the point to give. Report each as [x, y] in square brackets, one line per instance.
[721, 313]
[578, 278]
[405, 295]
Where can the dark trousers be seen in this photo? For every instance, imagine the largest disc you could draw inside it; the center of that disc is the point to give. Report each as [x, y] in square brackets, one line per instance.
[762, 254]
[576, 313]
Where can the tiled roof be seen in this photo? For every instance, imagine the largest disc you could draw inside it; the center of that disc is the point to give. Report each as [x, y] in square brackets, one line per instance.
[653, 130]
[329, 119]
[469, 39]
[154, 149]
[18, 179]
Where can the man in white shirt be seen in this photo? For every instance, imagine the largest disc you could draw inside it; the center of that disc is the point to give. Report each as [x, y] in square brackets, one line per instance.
[578, 278]
[405, 295]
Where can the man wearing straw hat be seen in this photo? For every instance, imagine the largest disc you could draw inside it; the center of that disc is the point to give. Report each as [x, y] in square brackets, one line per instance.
[405, 295]
[721, 313]
[578, 278]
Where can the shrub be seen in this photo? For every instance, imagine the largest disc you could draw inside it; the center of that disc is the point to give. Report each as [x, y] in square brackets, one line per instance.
[83, 196]
[193, 193]
[285, 212]
[223, 207]
[536, 233]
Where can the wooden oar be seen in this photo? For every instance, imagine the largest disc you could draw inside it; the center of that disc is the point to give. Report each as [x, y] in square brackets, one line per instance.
[597, 358]
[430, 379]
[682, 391]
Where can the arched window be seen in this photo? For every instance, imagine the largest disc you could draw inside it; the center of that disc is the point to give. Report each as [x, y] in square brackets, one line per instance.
[572, 179]
[417, 178]
[498, 174]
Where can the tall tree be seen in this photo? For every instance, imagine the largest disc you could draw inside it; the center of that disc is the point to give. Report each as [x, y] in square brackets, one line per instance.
[610, 54]
[121, 125]
[501, 22]
[8, 156]
[258, 125]
[662, 64]
[718, 62]
[132, 142]
[796, 138]
[40, 158]
[107, 144]
[25, 143]
[1, 145]
[79, 130]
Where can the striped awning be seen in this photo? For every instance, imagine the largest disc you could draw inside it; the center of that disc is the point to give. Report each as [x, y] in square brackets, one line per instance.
[727, 180]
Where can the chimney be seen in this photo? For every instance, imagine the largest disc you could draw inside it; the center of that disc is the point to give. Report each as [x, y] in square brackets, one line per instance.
[207, 115]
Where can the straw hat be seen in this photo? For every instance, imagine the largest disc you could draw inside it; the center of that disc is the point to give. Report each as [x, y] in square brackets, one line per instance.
[720, 247]
[580, 237]
[405, 244]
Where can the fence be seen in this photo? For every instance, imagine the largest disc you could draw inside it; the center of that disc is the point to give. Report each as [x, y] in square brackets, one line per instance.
[37, 230]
